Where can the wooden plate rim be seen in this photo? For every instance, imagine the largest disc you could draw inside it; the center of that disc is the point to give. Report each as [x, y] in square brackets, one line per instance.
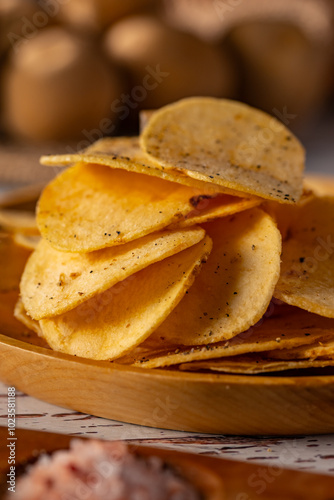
[309, 380]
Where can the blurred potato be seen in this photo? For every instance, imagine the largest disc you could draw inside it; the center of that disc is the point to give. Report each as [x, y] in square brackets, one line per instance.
[165, 64]
[57, 87]
[282, 67]
[19, 22]
[95, 15]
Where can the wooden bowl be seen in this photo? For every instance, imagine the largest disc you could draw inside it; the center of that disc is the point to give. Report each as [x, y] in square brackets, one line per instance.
[169, 399]
[215, 478]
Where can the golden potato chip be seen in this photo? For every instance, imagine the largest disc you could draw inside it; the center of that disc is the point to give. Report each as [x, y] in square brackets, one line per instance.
[112, 323]
[10, 325]
[55, 282]
[125, 153]
[15, 323]
[12, 261]
[18, 221]
[320, 185]
[307, 273]
[284, 214]
[253, 364]
[209, 208]
[281, 329]
[322, 348]
[229, 144]
[89, 207]
[234, 288]
[21, 315]
[27, 241]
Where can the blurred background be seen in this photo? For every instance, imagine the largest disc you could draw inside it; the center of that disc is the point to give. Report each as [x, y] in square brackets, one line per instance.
[72, 71]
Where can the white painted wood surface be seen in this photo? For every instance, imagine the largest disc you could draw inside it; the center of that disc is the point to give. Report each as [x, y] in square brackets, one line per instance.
[311, 453]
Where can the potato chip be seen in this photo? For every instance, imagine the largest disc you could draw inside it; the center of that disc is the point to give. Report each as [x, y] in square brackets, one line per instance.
[125, 153]
[12, 261]
[281, 329]
[234, 288]
[18, 221]
[209, 208]
[229, 144]
[307, 274]
[14, 322]
[284, 214]
[320, 185]
[112, 323]
[55, 282]
[89, 207]
[21, 315]
[10, 325]
[322, 348]
[253, 364]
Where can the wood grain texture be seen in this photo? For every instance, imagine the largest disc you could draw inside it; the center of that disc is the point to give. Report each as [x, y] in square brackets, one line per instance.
[218, 479]
[226, 404]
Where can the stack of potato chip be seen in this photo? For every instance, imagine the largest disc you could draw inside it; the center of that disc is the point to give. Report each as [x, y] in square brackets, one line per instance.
[167, 249]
